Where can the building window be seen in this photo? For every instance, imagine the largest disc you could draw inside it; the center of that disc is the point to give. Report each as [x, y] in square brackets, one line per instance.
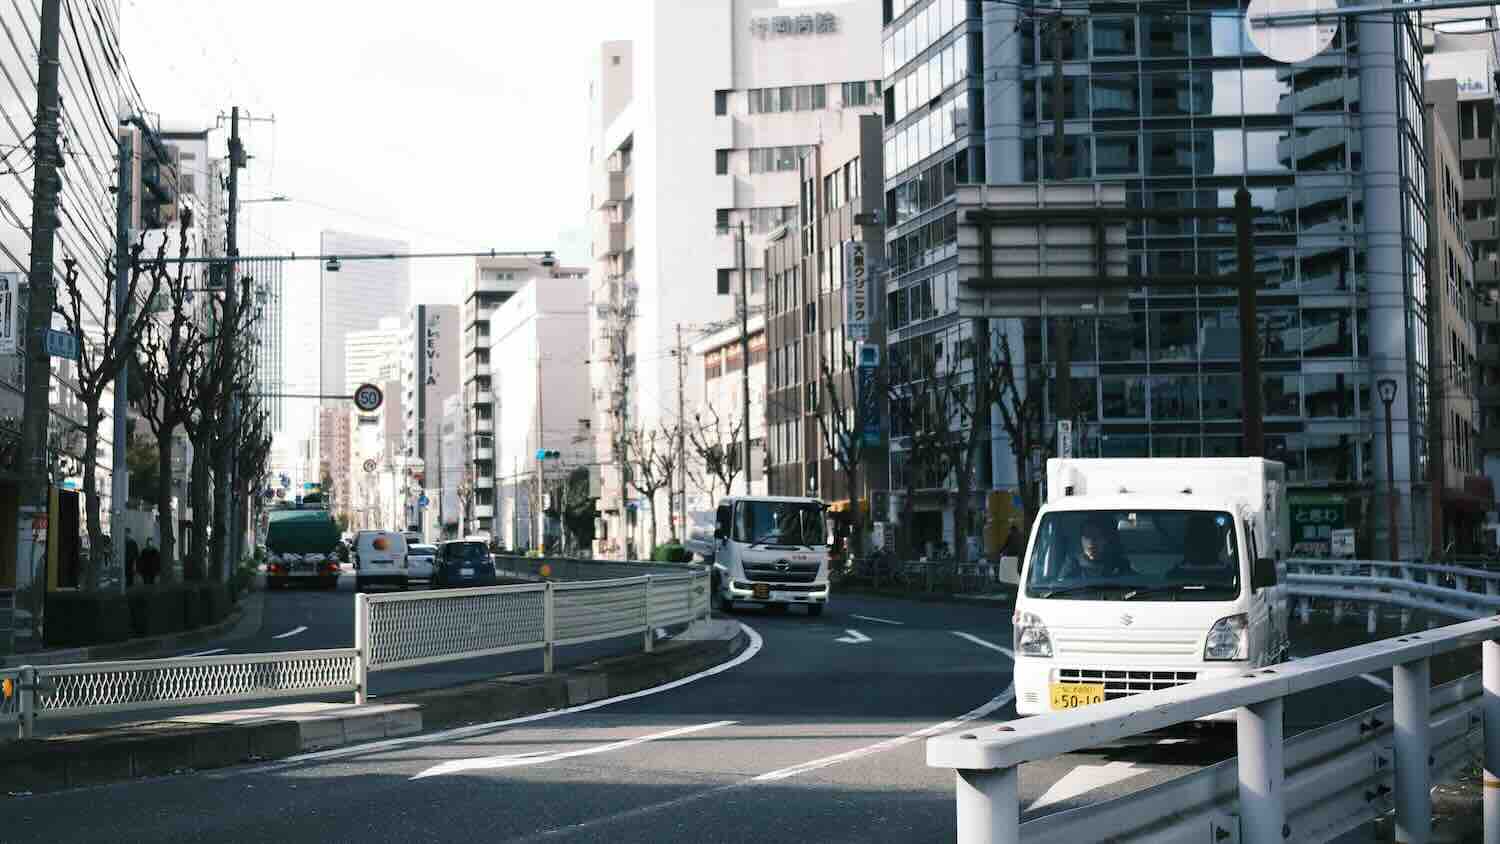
[721, 102]
[723, 287]
[721, 220]
[721, 162]
[856, 94]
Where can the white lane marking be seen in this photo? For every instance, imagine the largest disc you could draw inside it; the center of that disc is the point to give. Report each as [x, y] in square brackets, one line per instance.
[854, 638]
[876, 620]
[984, 644]
[879, 747]
[290, 633]
[1083, 779]
[208, 652]
[1376, 681]
[490, 763]
[756, 643]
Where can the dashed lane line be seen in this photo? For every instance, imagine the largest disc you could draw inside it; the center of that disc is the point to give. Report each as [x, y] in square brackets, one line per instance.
[518, 760]
[876, 620]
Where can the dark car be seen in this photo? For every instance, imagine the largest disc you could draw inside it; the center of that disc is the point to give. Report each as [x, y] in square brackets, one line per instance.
[463, 563]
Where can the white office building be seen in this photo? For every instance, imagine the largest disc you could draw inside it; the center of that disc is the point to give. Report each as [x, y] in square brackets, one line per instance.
[539, 348]
[698, 129]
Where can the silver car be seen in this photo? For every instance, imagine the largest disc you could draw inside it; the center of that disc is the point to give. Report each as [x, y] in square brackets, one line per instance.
[419, 561]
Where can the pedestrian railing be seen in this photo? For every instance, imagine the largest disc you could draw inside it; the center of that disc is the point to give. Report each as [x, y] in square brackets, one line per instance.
[420, 628]
[1333, 783]
[563, 569]
[392, 631]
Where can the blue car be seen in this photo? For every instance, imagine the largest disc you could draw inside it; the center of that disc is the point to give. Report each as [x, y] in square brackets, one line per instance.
[463, 563]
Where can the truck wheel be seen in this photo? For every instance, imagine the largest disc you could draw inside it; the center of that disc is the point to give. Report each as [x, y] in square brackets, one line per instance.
[814, 610]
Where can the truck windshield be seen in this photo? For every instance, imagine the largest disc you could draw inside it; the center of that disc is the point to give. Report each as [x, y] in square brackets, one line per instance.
[780, 523]
[1135, 555]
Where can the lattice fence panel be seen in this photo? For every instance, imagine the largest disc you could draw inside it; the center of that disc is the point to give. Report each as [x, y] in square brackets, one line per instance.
[591, 611]
[439, 626]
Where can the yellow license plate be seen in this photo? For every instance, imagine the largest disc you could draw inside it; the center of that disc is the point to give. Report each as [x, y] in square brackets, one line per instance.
[762, 591]
[1074, 695]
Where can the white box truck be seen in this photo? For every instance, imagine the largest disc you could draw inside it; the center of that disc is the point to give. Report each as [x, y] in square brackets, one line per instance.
[1147, 573]
[766, 550]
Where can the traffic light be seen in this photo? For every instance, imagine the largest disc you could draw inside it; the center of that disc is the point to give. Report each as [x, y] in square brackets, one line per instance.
[158, 183]
[548, 454]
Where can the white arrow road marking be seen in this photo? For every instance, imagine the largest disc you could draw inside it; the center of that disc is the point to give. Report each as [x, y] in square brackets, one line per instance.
[979, 712]
[874, 619]
[208, 652]
[983, 644]
[290, 633]
[854, 638]
[490, 763]
[1086, 778]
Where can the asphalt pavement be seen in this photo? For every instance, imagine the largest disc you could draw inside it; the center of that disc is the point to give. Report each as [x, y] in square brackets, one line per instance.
[816, 734]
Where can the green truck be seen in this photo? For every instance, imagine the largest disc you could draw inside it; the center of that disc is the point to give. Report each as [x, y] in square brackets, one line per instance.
[302, 546]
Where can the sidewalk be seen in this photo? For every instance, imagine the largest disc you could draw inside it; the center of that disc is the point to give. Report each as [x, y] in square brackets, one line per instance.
[242, 621]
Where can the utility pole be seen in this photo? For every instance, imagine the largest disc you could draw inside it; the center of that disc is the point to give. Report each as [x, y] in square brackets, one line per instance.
[541, 459]
[1064, 351]
[35, 493]
[119, 482]
[745, 352]
[224, 513]
[681, 436]
[515, 504]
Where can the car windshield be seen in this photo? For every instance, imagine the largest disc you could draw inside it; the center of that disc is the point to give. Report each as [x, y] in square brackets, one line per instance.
[1134, 555]
[467, 551]
[780, 523]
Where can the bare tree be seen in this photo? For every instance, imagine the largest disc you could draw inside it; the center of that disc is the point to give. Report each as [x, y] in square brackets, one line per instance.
[840, 426]
[253, 453]
[652, 461]
[101, 356]
[1018, 393]
[166, 360]
[715, 441]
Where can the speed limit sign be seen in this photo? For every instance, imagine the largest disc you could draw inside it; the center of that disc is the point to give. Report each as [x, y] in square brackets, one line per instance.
[368, 397]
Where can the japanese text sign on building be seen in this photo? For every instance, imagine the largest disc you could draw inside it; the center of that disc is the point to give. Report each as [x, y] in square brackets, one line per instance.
[821, 23]
[856, 291]
[10, 312]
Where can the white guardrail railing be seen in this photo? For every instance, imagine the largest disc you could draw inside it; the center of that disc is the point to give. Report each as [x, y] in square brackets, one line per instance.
[1314, 787]
[391, 631]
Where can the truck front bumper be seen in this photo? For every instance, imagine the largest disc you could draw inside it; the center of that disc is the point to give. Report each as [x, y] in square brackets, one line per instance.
[1034, 678]
[777, 593]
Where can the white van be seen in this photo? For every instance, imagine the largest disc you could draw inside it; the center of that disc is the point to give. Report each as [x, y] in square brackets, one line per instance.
[379, 558]
[1143, 574]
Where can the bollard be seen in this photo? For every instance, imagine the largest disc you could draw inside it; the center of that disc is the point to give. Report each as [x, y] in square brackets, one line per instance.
[1411, 695]
[1490, 706]
[1304, 608]
[1371, 620]
[1338, 612]
[989, 806]
[1405, 620]
[28, 684]
[649, 638]
[1258, 731]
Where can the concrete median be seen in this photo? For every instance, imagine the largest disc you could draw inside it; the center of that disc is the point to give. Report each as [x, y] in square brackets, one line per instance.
[221, 739]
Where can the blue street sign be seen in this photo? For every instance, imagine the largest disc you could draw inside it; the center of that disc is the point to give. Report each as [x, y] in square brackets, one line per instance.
[423, 502]
[61, 344]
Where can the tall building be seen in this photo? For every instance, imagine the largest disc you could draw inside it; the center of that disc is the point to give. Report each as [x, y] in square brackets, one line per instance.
[444, 515]
[494, 282]
[698, 128]
[356, 297]
[1181, 111]
[375, 439]
[539, 348]
[810, 341]
[430, 358]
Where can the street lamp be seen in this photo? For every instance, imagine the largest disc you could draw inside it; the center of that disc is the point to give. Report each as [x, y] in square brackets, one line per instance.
[1387, 388]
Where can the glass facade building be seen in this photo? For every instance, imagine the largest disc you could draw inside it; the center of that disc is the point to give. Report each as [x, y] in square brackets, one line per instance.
[1183, 110]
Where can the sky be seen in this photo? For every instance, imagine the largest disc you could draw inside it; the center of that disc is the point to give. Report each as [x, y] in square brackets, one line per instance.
[452, 124]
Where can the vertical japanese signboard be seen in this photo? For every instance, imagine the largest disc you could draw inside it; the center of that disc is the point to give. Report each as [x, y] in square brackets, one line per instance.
[868, 395]
[10, 313]
[857, 293]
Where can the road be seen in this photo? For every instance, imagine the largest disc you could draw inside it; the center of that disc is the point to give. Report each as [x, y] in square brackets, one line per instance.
[815, 735]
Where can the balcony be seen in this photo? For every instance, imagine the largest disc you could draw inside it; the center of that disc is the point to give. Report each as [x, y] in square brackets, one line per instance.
[484, 426]
[609, 237]
[483, 397]
[609, 188]
[481, 370]
[484, 482]
[484, 511]
[486, 454]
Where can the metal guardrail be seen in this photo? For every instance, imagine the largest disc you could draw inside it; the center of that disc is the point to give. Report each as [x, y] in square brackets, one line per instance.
[1269, 801]
[392, 631]
[1453, 591]
[420, 628]
[567, 569]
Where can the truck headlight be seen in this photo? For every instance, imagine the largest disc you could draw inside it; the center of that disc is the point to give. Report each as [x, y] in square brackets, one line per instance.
[1031, 637]
[1228, 639]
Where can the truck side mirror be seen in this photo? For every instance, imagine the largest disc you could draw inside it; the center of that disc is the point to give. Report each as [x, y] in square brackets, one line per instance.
[1263, 573]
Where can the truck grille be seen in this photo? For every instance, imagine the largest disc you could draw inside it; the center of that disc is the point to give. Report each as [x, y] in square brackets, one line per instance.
[775, 573]
[1118, 684]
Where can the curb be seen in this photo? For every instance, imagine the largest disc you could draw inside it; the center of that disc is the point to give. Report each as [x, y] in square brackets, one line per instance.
[201, 742]
[132, 648]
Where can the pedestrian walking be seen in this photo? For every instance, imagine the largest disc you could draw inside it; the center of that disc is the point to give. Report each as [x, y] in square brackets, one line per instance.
[150, 562]
[132, 557]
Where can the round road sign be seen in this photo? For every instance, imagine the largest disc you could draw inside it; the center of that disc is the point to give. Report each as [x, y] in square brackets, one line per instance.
[368, 398]
[369, 465]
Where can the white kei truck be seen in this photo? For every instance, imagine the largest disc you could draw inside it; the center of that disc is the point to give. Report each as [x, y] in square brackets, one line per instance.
[766, 550]
[1148, 573]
